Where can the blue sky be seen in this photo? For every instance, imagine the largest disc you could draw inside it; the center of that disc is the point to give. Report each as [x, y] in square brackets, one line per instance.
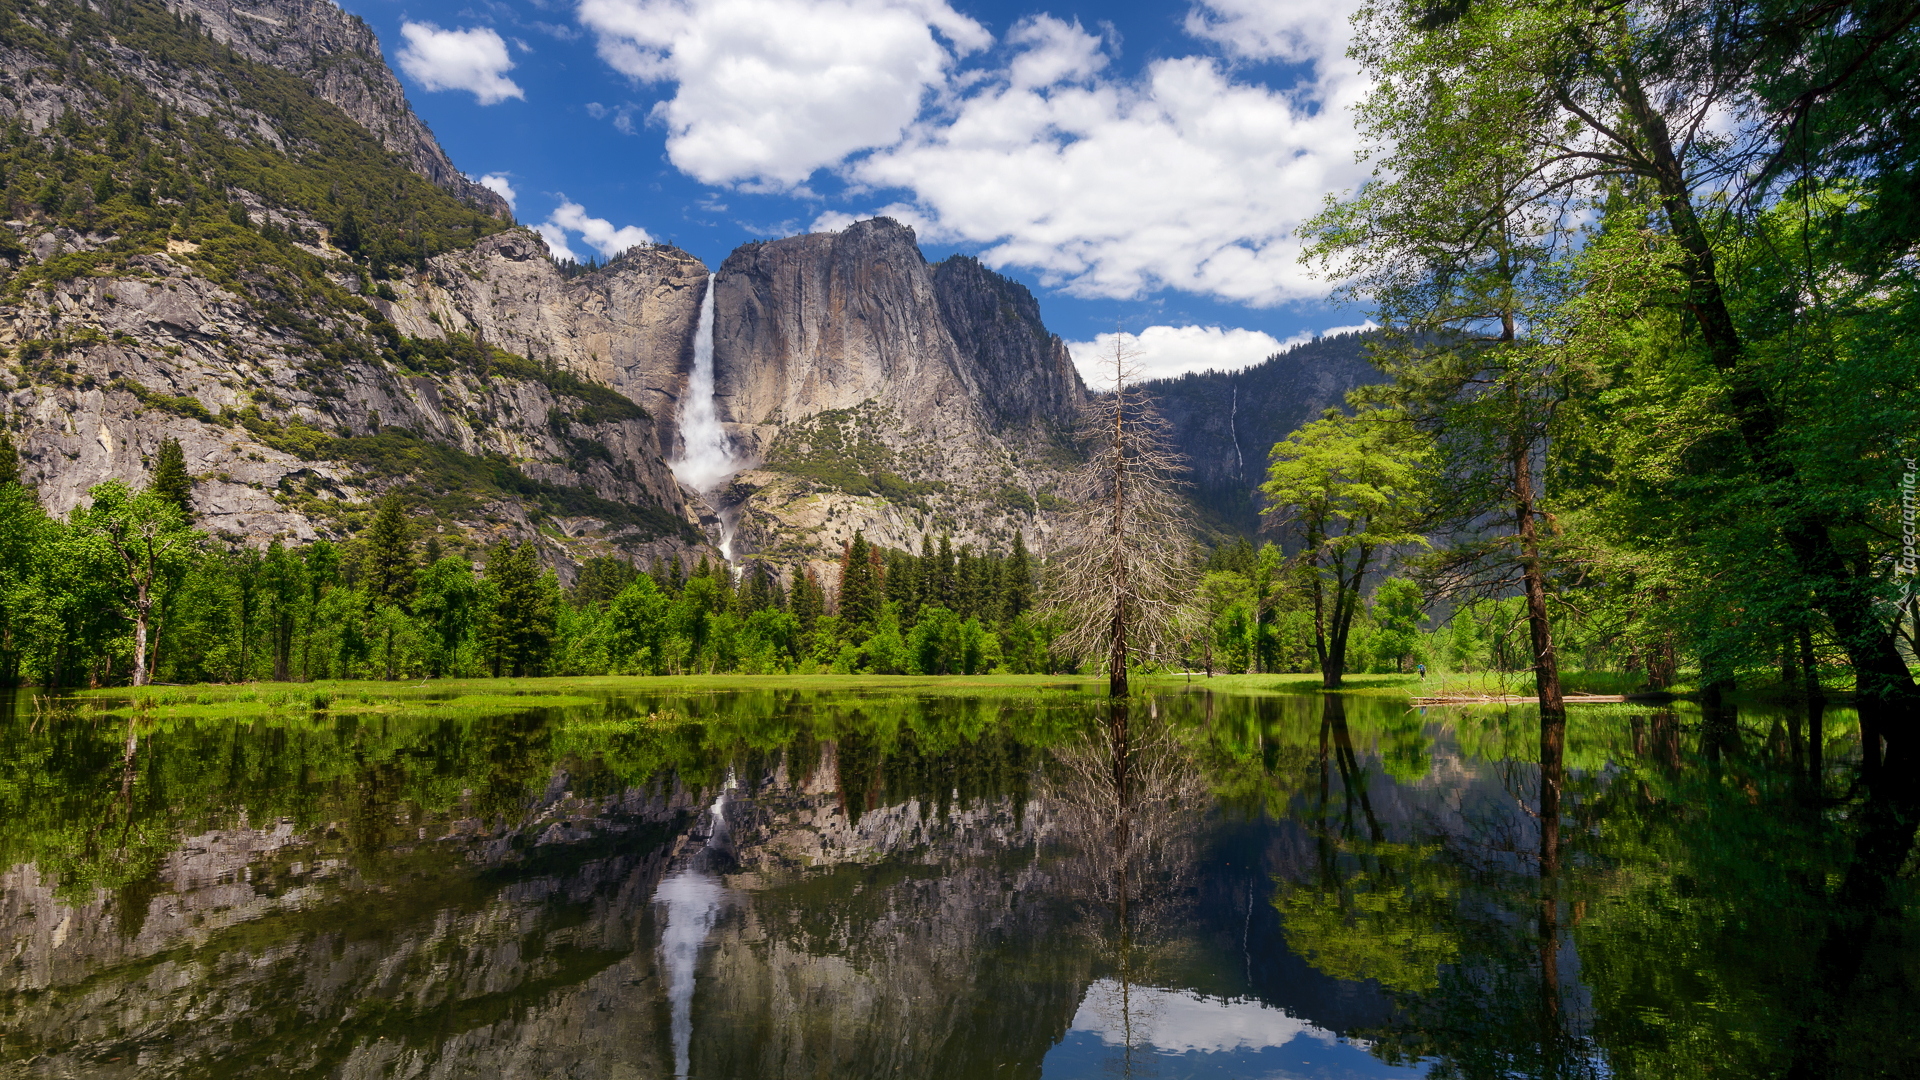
[1139, 166]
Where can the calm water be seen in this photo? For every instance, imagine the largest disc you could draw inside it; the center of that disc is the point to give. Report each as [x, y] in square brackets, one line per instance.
[799, 884]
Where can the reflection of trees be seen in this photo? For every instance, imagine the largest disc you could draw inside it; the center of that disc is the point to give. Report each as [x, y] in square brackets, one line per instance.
[1464, 931]
[1739, 909]
[1376, 909]
[1127, 799]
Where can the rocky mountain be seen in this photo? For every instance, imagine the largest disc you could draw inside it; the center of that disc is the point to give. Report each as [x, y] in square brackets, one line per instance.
[1225, 423]
[866, 389]
[227, 227]
[337, 55]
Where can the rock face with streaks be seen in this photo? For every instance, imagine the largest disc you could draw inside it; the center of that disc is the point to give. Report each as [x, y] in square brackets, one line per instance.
[871, 391]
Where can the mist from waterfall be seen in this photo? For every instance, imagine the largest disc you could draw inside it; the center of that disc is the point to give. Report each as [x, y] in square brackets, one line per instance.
[693, 898]
[706, 453]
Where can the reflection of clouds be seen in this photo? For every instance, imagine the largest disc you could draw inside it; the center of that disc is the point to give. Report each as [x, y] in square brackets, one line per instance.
[1178, 1021]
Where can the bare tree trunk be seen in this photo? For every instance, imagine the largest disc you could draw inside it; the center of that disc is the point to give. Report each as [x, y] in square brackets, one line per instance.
[141, 606]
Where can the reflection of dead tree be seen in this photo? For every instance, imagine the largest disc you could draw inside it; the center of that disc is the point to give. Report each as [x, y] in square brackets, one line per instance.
[1128, 799]
[1120, 574]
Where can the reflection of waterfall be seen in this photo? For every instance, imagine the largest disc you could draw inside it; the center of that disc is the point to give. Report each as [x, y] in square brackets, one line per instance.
[706, 453]
[692, 897]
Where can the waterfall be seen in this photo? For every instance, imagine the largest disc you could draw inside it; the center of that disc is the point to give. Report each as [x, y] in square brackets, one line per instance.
[706, 458]
[693, 898]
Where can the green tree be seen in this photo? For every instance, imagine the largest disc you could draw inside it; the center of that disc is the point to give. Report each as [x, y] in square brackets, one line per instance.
[860, 588]
[387, 567]
[1398, 611]
[1353, 488]
[9, 460]
[138, 538]
[520, 623]
[639, 623]
[170, 479]
[448, 604]
[1016, 581]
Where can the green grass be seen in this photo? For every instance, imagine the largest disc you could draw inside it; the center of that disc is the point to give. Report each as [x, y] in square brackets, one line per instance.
[469, 696]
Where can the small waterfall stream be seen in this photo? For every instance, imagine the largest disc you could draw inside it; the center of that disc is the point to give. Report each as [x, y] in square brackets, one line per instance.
[706, 458]
[693, 898]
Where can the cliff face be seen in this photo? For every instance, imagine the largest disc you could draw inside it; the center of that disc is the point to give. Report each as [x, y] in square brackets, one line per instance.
[1225, 423]
[629, 326]
[338, 55]
[1031, 386]
[872, 392]
[162, 352]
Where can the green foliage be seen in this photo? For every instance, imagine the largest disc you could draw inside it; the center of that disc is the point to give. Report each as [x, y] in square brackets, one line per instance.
[170, 480]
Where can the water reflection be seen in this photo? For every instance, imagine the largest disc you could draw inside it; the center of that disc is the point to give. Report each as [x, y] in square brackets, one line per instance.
[692, 897]
[783, 883]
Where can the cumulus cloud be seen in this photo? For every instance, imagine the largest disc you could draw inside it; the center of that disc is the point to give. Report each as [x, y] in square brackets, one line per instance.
[1106, 187]
[1162, 352]
[472, 60]
[1264, 30]
[767, 91]
[497, 183]
[597, 233]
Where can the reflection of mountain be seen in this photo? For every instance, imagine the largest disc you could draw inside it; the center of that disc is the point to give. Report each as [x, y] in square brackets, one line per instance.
[889, 902]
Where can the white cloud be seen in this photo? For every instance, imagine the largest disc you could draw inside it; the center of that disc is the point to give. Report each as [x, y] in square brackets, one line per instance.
[596, 233]
[471, 60]
[1184, 177]
[770, 90]
[497, 183]
[1163, 352]
[1264, 30]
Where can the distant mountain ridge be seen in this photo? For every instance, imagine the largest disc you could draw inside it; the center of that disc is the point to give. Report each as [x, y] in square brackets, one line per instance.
[1226, 422]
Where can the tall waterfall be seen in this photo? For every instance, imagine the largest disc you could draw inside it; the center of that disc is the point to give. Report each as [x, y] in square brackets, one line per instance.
[706, 453]
[693, 898]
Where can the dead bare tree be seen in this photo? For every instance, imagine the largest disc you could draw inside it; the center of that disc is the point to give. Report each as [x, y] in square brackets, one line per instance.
[1121, 572]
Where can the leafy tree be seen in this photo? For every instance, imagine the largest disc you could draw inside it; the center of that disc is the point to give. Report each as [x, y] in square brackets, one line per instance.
[448, 603]
[638, 617]
[1398, 610]
[138, 538]
[1353, 488]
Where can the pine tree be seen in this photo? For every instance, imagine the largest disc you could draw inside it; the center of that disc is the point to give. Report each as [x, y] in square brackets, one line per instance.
[859, 588]
[520, 629]
[809, 600]
[9, 461]
[387, 566]
[170, 480]
[1016, 595]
